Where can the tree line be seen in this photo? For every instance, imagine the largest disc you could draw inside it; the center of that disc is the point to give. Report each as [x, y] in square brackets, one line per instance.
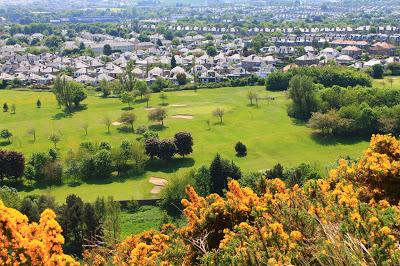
[328, 75]
[344, 111]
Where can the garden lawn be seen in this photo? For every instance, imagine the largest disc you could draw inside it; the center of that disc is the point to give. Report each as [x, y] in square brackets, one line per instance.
[270, 135]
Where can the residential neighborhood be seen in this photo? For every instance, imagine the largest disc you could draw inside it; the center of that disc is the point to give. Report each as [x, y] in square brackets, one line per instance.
[152, 58]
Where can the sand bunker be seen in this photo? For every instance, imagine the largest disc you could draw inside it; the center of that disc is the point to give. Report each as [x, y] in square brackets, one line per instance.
[149, 108]
[158, 181]
[116, 123]
[183, 116]
[156, 189]
[179, 105]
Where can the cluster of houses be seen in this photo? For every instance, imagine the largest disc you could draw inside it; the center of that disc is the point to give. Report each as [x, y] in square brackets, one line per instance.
[152, 59]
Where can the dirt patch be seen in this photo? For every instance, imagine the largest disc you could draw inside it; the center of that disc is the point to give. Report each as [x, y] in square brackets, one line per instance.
[156, 189]
[116, 123]
[158, 181]
[179, 105]
[183, 116]
[149, 108]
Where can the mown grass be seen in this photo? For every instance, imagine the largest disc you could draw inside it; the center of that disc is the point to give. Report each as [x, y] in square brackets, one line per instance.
[269, 134]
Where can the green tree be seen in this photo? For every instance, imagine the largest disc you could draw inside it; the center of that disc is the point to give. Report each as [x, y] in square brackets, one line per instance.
[184, 143]
[127, 97]
[68, 93]
[107, 122]
[6, 134]
[107, 50]
[220, 171]
[159, 114]
[302, 93]
[152, 147]
[167, 149]
[105, 88]
[32, 132]
[377, 71]
[127, 79]
[72, 221]
[128, 118]
[211, 50]
[219, 112]
[173, 62]
[147, 98]
[55, 138]
[181, 78]
[241, 149]
[251, 95]
[138, 155]
[141, 88]
[174, 192]
[202, 181]
[112, 221]
[5, 107]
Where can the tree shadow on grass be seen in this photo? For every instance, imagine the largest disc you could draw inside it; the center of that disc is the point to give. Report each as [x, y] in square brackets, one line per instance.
[335, 140]
[127, 108]
[5, 143]
[66, 113]
[37, 185]
[125, 130]
[169, 166]
[142, 100]
[299, 122]
[158, 127]
[114, 178]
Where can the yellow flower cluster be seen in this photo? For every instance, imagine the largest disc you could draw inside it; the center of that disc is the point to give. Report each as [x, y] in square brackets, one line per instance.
[24, 243]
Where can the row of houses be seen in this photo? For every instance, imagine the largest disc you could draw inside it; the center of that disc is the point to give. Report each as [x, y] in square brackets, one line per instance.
[290, 30]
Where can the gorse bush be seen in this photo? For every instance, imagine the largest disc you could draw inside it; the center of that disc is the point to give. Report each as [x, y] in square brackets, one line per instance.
[24, 243]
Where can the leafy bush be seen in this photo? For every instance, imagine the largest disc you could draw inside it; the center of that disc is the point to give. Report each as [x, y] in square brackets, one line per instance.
[241, 149]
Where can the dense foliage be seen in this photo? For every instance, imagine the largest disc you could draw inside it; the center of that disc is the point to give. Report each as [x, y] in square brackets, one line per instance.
[358, 110]
[328, 75]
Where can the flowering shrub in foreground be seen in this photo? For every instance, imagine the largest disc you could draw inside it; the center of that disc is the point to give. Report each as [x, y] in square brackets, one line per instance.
[24, 243]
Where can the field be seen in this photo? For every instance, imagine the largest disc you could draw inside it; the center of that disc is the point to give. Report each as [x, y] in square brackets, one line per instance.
[269, 134]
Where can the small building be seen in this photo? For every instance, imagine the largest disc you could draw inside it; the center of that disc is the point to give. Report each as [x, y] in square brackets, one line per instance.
[307, 60]
[382, 48]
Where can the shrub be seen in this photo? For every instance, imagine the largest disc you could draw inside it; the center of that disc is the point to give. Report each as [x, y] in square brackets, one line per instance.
[241, 149]
[167, 149]
[152, 147]
[184, 143]
[12, 164]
